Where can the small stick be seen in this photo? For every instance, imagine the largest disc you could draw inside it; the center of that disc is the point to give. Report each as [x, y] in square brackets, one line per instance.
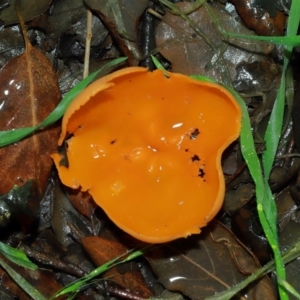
[87, 44]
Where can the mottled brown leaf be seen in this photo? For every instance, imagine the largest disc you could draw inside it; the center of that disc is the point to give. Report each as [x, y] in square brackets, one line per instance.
[102, 250]
[29, 91]
[28, 8]
[201, 266]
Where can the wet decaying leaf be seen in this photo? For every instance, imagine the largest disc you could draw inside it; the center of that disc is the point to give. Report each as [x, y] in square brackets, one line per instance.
[281, 176]
[288, 237]
[28, 8]
[70, 16]
[258, 82]
[196, 267]
[201, 266]
[60, 207]
[102, 250]
[12, 38]
[29, 91]
[83, 202]
[65, 14]
[121, 17]
[287, 202]
[261, 16]
[245, 225]
[248, 74]
[191, 54]
[240, 205]
[236, 198]
[18, 204]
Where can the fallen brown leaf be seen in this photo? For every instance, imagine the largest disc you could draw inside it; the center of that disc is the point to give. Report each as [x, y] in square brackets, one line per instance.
[83, 202]
[203, 265]
[102, 250]
[29, 91]
[190, 53]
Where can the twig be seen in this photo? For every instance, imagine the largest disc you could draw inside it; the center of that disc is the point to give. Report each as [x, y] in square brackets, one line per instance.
[87, 43]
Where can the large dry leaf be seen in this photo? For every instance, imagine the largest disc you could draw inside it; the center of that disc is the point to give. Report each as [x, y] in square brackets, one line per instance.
[29, 91]
[28, 8]
[203, 265]
[190, 54]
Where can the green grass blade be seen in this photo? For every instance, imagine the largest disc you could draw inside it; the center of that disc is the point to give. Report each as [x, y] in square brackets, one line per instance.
[27, 287]
[288, 288]
[159, 66]
[75, 91]
[78, 284]
[292, 41]
[263, 193]
[267, 209]
[17, 256]
[254, 166]
[265, 205]
[14, 135]
[273, 131]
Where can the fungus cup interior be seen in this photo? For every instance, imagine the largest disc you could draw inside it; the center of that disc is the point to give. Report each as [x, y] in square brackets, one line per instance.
[148, 149]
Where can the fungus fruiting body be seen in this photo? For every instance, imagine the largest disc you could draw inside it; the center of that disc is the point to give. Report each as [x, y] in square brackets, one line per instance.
[148, 149]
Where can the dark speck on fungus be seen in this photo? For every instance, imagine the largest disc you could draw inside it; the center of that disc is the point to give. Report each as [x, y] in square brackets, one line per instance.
[201, 173]
[195, 158]
[194, 134]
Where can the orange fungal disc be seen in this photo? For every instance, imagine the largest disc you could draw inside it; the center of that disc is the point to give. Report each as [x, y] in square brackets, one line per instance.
[148, 149]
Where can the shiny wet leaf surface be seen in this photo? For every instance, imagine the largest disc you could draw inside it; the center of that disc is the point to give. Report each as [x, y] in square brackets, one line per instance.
[213, 262]
[63, 231]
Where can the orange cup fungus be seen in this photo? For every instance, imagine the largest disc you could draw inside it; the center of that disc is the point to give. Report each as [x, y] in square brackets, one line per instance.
[148, 149]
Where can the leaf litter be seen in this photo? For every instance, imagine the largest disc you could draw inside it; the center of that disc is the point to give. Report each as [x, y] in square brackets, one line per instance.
[30, 91]
[211, 64]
